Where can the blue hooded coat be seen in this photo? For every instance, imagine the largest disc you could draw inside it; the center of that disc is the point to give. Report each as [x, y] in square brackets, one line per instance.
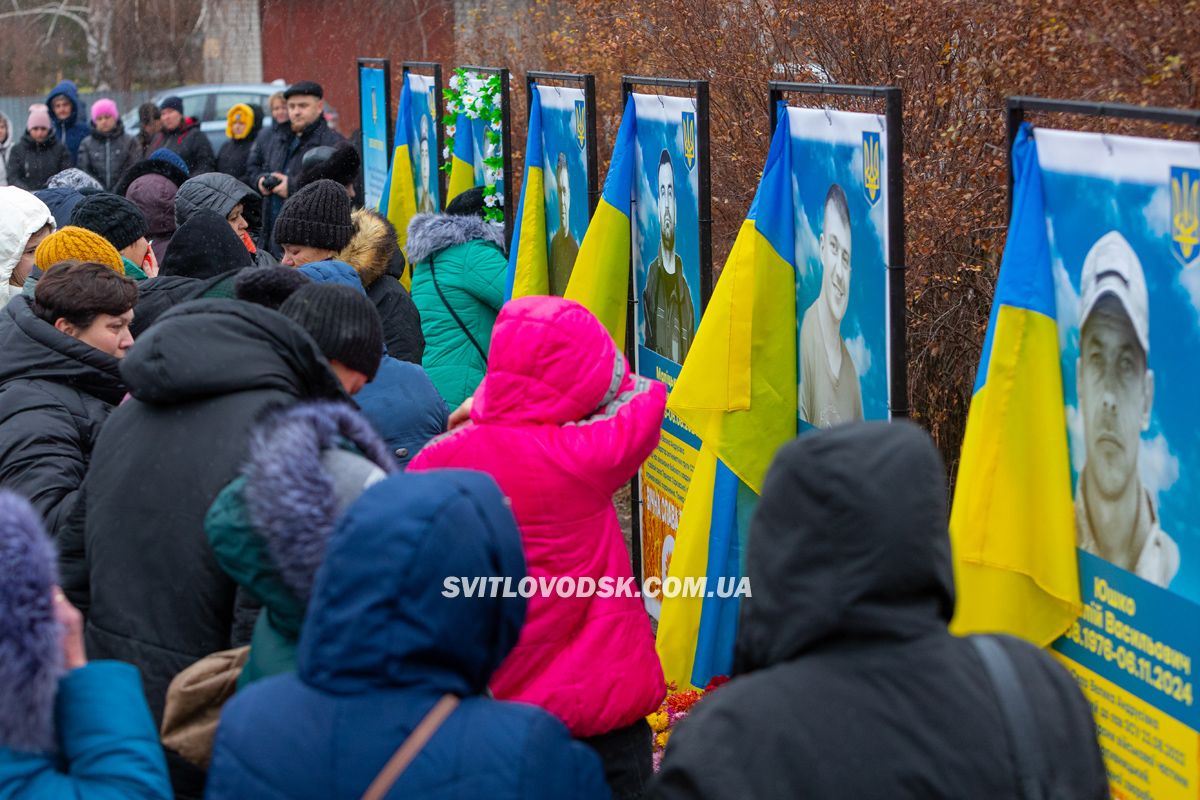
[73, 130]
[382, 643]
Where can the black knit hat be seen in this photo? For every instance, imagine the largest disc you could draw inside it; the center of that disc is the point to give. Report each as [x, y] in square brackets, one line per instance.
[339, 164]
[172, 102]
[316, 216]
[269, 286]
[111, 216]
[304, 87]
[467, 204]
[343, 322]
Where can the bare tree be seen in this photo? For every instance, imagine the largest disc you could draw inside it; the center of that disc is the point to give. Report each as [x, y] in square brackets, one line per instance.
[95, 20]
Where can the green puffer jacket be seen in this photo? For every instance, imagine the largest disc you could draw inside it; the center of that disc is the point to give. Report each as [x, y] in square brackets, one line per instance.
[466, 255]
[268, 527]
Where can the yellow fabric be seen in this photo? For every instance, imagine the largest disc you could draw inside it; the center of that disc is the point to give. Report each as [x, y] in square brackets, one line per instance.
[73, 243]
[600, 278]
[737, 388]
[462, 177]
[1012, 524]
[402, 203]
[240, 112]
[532, 274]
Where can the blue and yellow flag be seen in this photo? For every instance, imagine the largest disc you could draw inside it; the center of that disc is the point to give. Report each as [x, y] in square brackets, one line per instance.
[600, 278]
[1012, 524]
[399, 202]
[528, 264]
[737, 391]
[462, 160]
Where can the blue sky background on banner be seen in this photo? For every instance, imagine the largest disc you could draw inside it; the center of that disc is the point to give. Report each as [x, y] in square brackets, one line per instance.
[659, 127]
[1090, 190]
[375, 123]
[827, 148]
[479, 142]
[421, 87]
[558, 136]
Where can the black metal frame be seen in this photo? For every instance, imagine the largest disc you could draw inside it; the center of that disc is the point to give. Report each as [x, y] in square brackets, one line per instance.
[506, 144]
[894, 120]
[588, 82]
[389, 144]
[1017, 105]
[699, 89]
[437, 113]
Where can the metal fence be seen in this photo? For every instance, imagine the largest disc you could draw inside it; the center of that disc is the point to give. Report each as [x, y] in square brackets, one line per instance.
[17, 108]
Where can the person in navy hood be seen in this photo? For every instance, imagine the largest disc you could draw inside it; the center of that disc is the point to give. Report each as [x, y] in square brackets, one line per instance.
[66, 121]
[383, 643]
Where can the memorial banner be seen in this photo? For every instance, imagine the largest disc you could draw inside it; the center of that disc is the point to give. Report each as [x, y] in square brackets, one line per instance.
[1082, 427]
[375, 115]
[477, 151]
[553, 213]
[421, 129]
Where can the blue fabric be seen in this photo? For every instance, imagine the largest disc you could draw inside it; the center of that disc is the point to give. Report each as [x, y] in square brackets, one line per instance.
[403, 406]
[336, 272]
[108, 745]
[75, 128]
[382, 643]
[61, 202]
[172, 158]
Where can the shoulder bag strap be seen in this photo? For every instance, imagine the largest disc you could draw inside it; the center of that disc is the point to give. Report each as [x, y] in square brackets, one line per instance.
[446, 303]
[1019, 724]
[410, 747]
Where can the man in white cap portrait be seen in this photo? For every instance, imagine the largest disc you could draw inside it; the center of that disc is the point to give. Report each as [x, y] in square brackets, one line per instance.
[1114, 513]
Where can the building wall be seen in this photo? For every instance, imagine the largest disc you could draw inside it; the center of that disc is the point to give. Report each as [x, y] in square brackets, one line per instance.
[233, 42]
[320, 40]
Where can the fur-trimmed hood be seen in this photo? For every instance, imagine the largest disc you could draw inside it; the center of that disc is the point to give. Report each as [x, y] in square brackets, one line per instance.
[30, 647]
[371, 247]
[291, 496]
[430, 233]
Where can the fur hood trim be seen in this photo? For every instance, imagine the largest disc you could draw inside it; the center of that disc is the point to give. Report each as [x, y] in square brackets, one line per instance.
[290, 496]
[430, 233]
[371, 247]
[30, 647]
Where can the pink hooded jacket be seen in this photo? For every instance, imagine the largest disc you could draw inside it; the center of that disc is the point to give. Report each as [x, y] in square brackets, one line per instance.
[561, 423]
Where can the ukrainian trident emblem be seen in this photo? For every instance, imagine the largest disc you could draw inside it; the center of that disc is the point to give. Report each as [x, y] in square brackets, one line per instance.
[1185, 214]
[689, 138]
[872, 167]
[580, 123]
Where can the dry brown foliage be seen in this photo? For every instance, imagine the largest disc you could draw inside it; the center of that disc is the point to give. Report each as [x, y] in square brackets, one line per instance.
[955, 61]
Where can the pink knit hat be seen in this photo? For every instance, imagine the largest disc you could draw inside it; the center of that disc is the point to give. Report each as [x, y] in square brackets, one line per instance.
[104, 106]
[39, 117]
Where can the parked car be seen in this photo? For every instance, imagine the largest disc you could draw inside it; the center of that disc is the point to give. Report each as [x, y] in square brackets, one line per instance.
[210, 103]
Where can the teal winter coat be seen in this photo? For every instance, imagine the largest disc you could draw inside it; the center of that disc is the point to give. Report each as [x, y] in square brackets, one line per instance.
[463, 257]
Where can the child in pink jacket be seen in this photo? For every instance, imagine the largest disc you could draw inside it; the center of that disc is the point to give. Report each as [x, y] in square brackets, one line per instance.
[560, 422]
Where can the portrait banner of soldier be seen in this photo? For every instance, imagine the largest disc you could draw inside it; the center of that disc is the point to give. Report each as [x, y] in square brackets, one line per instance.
[375, 117]
[667, 265]
[1123, 228]
[565, 164]
[840, 202]
[422, 137]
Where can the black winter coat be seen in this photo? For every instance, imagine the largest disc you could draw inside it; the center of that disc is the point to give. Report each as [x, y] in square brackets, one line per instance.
[847, 683]
[32, 164]
[190, 144]
[234, 155]
[153, 592]
[372, 251]
[106, 156]
[279, 150]
[55, 393]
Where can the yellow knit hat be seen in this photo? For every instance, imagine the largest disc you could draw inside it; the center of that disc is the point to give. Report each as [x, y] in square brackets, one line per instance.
[239, 112]
[73, 243]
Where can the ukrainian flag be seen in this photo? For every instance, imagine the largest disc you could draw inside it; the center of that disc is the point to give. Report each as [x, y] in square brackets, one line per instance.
[462, 160]
[737, 391]
[1012, 524]
[600, 278]
[399, 202]
[528, 265]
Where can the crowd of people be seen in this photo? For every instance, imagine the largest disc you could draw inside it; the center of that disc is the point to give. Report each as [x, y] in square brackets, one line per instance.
[239, 461]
